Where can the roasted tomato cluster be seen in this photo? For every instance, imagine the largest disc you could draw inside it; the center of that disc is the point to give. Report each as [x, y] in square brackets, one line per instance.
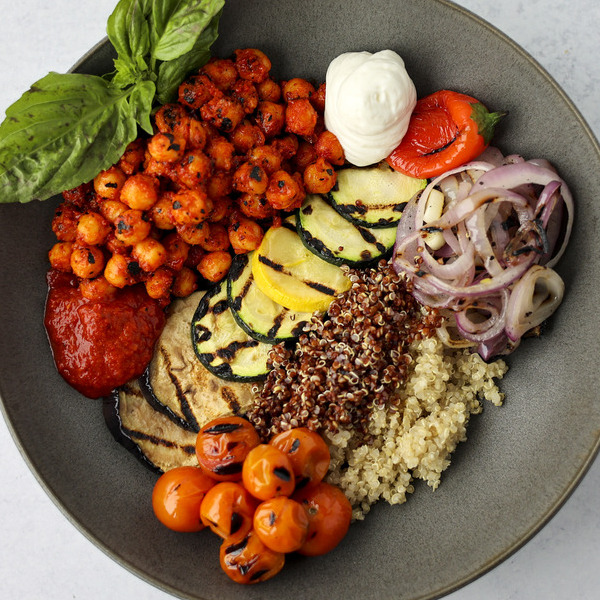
[264, 500]
[236, 148]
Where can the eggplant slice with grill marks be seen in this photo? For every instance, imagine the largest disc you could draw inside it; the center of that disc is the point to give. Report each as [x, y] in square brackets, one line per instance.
[152, 436]
[177, 383]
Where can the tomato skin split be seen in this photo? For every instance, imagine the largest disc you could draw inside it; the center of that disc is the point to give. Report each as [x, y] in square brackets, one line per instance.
[447, 129]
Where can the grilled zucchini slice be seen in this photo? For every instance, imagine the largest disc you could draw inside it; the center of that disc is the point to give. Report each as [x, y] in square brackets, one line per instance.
[339, 241]
[293, 276]
[155, 439]
[221, 345]
[373, 196]
[258, 315]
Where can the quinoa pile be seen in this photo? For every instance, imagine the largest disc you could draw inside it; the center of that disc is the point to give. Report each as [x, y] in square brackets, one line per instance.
[374, 378]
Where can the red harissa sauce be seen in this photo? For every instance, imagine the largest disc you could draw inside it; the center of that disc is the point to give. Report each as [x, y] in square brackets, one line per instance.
[100, 345]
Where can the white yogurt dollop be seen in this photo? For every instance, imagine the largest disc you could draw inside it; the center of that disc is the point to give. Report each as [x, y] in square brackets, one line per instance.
[368, 102]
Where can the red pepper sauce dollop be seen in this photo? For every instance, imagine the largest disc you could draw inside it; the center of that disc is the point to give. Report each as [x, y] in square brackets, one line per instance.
[100, 345]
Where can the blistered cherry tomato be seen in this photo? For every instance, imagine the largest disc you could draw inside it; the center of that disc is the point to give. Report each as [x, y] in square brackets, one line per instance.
[228, 509]
[268, 472]
[177, 497]
[245, 559]
[308, 453]
[281, 523]
[222, 446]
[329, 514]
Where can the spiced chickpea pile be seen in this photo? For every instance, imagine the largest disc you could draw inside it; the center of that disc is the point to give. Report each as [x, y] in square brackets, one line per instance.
[226, 159]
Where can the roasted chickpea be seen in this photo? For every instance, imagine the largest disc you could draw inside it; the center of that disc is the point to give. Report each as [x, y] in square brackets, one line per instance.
[250, 179]
[269, 90]
[64, 223]
[150, 254]
[287, 146]
[196, 135]
[87, 261]
[300, 117]
[165, 147]
[140, 191]
[81, 196]
[133, 157]
[217, 240]
[116, 246]
[112, 209]
[92, 229]
[270, 117]
[177, 251]
[247, 136]
[222, 152]
[173, 119]
[328, 147]
[185, 283]
[222, 72]
[267, 157]
[162, 212]
[214, 265]
[255, 206]
[297, 88]
[245, 93]
[97, 289]
[195, 169]
[245, 235]
[197, 91]
[158, 284]
[252, 64]
[320, 177]
[318, 99]
[219, 186]
[132, 226]
[194, 256]
[108, 184]
[191, 207]
[118, 272]
[284, 192]
[195, 234]
[224, 113]
[305, 155]
[157, 168]
[60, 256]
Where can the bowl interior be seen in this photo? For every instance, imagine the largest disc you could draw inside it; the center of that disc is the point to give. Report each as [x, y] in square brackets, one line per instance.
[520, 461]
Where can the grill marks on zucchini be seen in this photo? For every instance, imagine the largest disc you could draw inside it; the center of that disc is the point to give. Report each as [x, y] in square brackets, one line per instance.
[258, 315]
[339, 241]
[373, 196]
[221, 345]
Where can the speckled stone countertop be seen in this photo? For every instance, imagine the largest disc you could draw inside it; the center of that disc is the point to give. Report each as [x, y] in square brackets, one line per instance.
[42, 555]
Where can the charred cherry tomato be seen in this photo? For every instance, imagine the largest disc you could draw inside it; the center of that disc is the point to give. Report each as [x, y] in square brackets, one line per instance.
[446, 130]
[223, 444]
[268, 472]
[308, 453]
[245, 559]
[281, 523]
[177, 497]
[228, 509]
[329, 514]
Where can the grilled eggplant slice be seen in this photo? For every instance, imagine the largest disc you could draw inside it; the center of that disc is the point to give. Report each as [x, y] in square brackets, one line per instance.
[179, 384]
[339, 241]
[373, 196]
[221, 345]
[262, 318]
[155, 439]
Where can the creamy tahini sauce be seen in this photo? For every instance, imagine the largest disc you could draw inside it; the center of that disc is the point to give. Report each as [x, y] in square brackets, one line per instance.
[368, 104]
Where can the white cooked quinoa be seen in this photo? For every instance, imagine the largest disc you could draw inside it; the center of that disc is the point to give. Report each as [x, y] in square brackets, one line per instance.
[415, 440]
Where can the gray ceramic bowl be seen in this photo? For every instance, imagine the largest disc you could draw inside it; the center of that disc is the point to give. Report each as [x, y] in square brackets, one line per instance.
[521, 461]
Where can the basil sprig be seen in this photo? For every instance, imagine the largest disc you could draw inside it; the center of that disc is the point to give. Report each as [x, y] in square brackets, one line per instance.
[68, 127]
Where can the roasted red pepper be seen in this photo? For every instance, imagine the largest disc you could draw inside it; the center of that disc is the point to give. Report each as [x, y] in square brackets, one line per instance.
[446, 130]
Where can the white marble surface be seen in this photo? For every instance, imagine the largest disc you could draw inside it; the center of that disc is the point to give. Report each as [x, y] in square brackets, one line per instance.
[42, 555]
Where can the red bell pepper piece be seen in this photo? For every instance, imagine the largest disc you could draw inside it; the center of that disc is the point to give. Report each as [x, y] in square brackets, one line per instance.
[446, 130]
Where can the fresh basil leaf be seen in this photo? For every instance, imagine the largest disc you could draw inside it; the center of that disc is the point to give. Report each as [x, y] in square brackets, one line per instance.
[141, 99]
[173, 72]
[177, 24]
[129, 31]
[63, 132]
